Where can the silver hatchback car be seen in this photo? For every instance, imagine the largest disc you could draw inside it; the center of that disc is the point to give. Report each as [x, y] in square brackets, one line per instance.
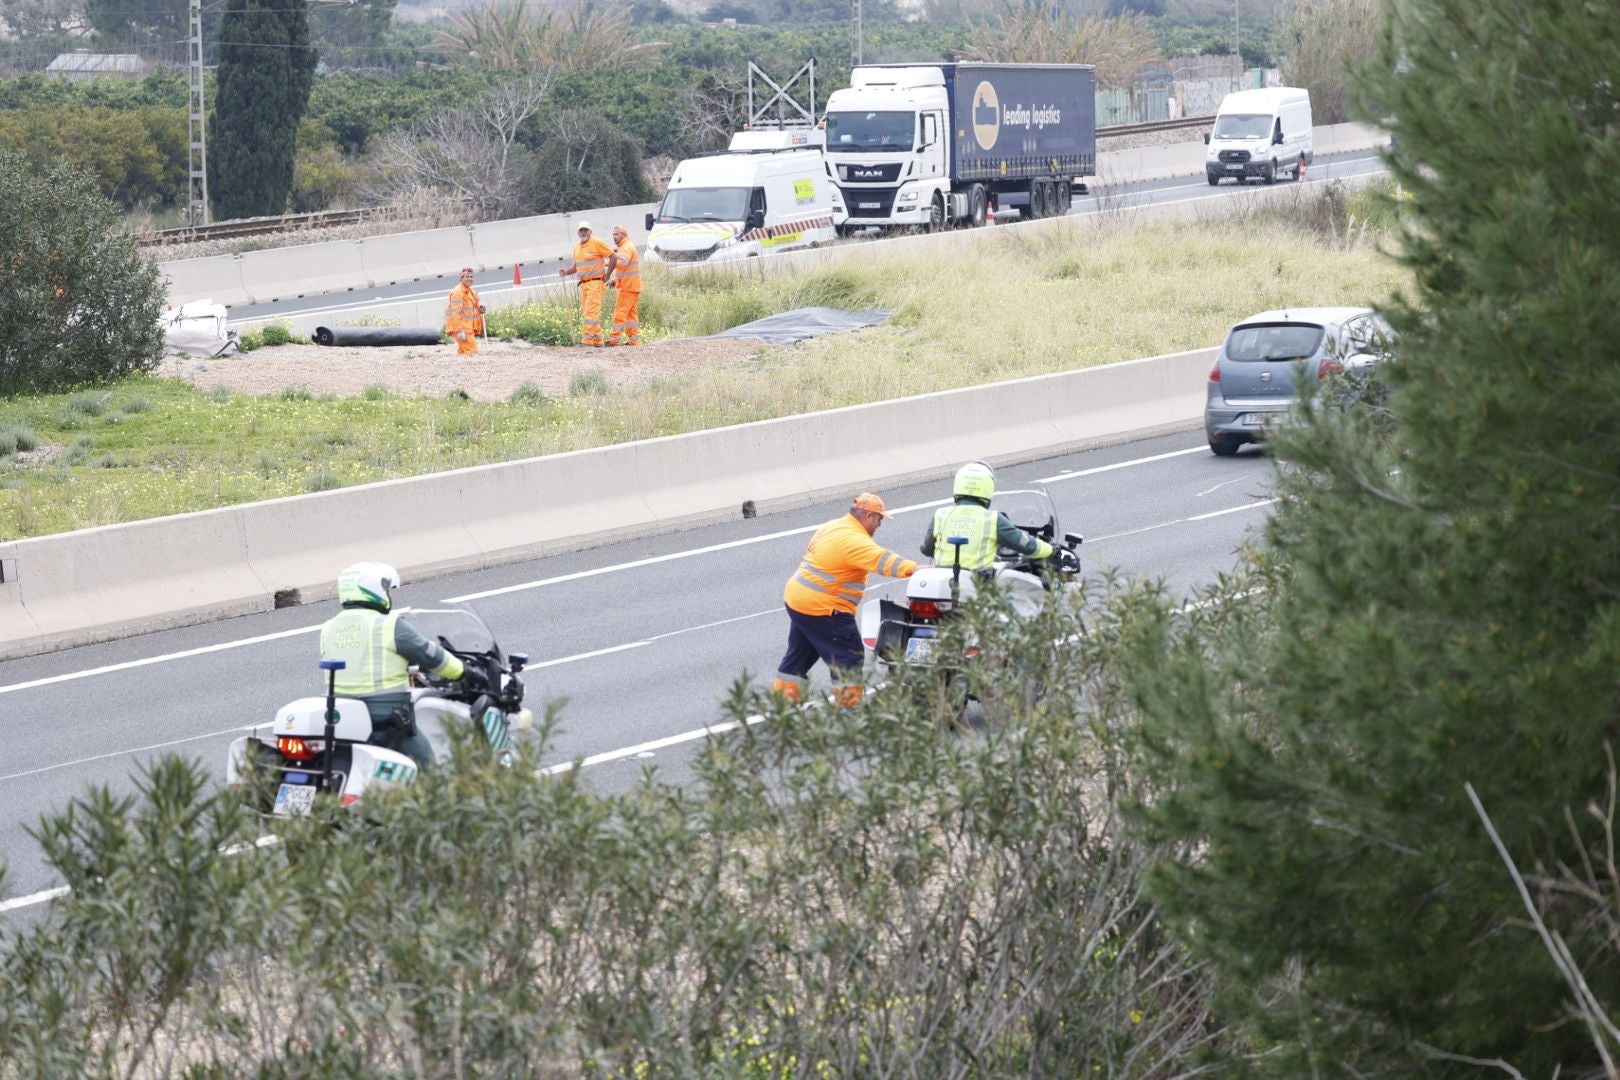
[1252, 382]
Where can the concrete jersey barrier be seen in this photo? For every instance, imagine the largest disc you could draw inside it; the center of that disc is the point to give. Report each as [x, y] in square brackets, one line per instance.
[100, 584]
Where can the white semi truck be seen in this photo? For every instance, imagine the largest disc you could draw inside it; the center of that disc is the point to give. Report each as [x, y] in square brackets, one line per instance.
[931, 145]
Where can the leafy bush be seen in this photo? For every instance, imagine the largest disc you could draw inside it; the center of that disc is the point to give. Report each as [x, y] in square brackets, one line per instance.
[587, 382]
[551, 323]
[15, 437]
[88, 403]
[248, 340]
[78, 304]
[528, 393]
[276, 333]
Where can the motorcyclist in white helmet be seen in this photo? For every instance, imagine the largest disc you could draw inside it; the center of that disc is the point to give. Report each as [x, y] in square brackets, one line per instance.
[986, 530]
[377, 646]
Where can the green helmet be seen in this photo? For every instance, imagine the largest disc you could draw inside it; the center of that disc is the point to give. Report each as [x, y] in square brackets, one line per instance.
[975, 480]
[368, 583]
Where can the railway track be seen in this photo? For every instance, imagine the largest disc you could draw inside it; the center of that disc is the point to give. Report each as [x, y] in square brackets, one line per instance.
[226, 230]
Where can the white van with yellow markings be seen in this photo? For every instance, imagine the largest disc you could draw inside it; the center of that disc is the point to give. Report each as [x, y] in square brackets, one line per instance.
[770, 192]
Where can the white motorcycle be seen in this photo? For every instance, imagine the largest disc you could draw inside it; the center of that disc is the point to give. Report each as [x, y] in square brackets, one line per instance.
[901, 621]
[321, 745]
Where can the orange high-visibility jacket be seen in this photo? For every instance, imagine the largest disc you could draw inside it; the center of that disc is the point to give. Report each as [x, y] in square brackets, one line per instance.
[627, 273]
[463, 313]
[832, 576]
[590, 259]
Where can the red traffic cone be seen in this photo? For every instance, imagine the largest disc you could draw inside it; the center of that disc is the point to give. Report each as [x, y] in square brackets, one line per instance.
[990, 211]
[517, 273]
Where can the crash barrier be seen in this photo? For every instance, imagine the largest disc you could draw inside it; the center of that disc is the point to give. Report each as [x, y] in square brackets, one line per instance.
[543, 241]
[284, 272]
[217, 278]
[118, 580]
[416, 256]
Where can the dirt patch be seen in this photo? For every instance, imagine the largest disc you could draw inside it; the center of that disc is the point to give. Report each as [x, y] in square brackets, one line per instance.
[492, 374]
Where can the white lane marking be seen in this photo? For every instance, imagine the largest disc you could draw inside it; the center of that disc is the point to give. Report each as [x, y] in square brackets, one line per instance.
[32, 899]
[1075, 474]
[128, 664]
[1217, 487]
[540, 583]
[121, 753]
[588, 655]
[1233, 510]
[649, 747]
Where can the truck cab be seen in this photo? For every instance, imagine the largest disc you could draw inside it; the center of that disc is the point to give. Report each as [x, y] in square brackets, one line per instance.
[885, 146]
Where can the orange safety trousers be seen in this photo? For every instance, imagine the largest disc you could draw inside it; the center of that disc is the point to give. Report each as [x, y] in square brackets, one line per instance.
[590, 300]
[626, 319]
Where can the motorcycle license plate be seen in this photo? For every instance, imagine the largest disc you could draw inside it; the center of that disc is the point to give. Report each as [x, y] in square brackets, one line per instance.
[919, 649]
[294, 799]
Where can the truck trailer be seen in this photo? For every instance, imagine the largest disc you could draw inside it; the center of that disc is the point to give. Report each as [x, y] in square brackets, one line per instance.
[931, 145]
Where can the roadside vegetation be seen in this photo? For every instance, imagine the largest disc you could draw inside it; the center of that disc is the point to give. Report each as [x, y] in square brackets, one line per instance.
[1077, 294]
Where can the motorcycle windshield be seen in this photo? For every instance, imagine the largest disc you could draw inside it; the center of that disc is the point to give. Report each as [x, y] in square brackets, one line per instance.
[460, 628]
[1031, 511]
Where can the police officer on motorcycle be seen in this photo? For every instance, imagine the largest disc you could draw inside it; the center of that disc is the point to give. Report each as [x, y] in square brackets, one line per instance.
[377, 646]
[986, 530]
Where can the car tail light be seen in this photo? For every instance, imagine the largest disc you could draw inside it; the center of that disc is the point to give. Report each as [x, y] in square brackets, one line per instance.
[298, 749]
[1329, 367]
[1215, 371]
[927, 609]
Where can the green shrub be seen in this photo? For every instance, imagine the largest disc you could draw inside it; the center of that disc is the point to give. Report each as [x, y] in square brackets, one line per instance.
[248, 340]
[528, 393]
[538, 324]
[219, 395]
[458, 394]
[136, 404]
[584, 383]
[276, 334]
[295, 393]
[322, 480]
[88, 403]
[15, 437]
[374, 392]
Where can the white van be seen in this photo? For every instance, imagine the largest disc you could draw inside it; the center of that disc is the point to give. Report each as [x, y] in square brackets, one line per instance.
[1263, 133]
[769, 193]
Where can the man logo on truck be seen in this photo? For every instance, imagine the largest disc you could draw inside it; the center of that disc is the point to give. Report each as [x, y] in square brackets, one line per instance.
[986, 116]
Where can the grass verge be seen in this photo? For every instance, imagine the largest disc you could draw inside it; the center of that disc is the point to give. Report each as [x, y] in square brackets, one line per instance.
[1084, 293]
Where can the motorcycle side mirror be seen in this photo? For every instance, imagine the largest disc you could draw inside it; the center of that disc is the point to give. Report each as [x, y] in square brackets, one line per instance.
[518, 661]
[1073, 540]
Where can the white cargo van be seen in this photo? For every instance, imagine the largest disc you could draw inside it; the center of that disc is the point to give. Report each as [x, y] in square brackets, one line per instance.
[1263, 133]
[770, 192]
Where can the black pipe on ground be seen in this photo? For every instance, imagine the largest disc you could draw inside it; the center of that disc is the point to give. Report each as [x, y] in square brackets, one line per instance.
[377, 335]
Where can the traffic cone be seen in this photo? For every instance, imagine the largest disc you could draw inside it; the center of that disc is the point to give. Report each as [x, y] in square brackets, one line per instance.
[517, 273]
[990, 211]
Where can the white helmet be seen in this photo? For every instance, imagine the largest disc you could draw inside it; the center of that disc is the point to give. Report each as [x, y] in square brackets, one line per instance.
[976, 480]
[368, 583]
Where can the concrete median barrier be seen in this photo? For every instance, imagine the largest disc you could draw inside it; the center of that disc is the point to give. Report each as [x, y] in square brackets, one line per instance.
[279, 273]
[543, 505]
[218, 278]
[417, 256]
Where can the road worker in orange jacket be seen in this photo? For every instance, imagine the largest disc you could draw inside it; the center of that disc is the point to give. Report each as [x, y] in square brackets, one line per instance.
[464, 318]
[593, 262]
[626, 317]
[821, 598]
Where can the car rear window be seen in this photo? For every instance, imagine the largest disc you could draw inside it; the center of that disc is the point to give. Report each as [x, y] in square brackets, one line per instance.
[1273, 341]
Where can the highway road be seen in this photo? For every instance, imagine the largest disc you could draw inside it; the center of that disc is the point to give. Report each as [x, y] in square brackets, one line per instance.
[642, 637]
[1326, 168]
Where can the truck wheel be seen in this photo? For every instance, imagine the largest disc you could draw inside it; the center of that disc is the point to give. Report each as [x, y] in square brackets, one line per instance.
[1037, 198]
[978, 200]
[1270, 175]
[936, 213]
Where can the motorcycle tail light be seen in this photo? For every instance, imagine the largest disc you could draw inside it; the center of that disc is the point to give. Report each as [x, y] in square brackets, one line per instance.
[298, 749]
[348, 800]
[927, 609]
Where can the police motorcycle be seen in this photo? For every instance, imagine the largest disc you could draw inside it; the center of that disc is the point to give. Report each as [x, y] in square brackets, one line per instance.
[902, 621]
[320, 745]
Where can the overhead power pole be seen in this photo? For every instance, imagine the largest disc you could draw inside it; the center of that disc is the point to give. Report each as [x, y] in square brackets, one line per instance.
[196, 125]
[855, 35]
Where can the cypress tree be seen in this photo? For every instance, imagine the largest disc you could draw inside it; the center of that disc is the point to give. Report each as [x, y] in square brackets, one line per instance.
[1442, 603]
[266, 69]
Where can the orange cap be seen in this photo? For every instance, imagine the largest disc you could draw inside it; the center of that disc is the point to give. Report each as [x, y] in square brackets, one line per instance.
[870, 502]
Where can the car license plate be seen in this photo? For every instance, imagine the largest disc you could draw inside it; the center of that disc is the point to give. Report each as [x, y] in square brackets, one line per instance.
[869, 206]
[919, 649]
[293, 799]
[1254, 419]
[1235, 168]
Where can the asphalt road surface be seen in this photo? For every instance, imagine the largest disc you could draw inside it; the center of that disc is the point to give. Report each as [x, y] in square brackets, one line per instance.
[1326, 168]
[641, 637]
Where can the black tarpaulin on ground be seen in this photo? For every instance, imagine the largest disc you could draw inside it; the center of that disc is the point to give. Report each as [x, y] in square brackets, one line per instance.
[377, 335]
[789, 326]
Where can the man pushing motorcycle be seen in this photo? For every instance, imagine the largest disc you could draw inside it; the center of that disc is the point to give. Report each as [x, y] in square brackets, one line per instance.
[986, 530]
[377, 647]
[821, 598]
